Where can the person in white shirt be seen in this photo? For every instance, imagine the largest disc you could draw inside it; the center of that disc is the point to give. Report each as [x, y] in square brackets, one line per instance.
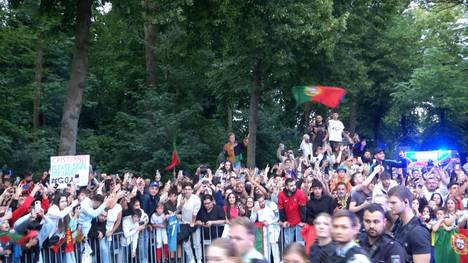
[306, 147]
[158, 221]
[58, 211]
[131, 227]
[268, 214]
[114, 218]
[335, 129]
[90, 209]
[142, 237]
[190, 204]
[384, 185]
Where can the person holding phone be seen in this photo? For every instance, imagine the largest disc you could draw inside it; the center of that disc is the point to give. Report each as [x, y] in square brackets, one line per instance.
[131, 227]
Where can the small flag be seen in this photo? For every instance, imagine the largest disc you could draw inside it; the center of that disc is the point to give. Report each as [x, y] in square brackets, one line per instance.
[174, 159]
[328, 96]
[16, 238]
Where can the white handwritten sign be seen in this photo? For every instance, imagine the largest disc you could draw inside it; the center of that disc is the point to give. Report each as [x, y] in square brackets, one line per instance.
[64, 170]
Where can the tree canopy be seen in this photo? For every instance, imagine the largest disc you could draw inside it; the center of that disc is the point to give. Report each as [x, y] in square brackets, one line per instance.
[192, 71]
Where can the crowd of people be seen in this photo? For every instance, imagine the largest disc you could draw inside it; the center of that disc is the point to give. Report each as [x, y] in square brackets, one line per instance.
[331, 200]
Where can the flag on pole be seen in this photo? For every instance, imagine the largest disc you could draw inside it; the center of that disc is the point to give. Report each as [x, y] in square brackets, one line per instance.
[174, 159]
[328, 96]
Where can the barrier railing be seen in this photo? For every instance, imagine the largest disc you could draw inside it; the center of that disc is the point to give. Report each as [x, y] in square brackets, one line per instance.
[153, 247]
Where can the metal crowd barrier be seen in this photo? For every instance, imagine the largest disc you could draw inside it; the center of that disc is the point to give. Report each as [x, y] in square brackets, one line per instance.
[111, 250]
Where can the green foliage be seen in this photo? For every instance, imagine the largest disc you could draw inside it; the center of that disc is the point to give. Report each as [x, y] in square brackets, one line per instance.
[400, 65]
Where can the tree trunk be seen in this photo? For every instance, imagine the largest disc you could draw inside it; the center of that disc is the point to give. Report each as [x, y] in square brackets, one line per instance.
[253, 112]
[307, 112]
[77, 83]
[404, 126]
[376, 129]
[149, 9]
[38, 72]
[443, 120]
[229, 116]
[353, 116]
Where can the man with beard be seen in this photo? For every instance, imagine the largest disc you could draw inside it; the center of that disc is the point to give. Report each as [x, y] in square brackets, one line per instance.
[319, 131]
[342, 196]
[292, 211]
[380, 246]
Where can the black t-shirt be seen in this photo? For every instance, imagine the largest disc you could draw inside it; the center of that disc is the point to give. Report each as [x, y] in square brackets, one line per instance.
[414, 237]
[217, 213]
[319, 130]
[316, 206]
[359, 197]
[385, 249]
[320, 254]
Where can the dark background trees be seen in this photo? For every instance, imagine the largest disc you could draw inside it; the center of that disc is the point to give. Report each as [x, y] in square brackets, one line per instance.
[191, 71]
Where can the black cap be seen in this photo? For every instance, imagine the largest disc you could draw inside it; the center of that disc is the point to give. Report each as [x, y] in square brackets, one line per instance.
[379, 150]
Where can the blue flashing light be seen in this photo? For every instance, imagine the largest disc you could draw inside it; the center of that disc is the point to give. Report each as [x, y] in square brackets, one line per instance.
[424, 156]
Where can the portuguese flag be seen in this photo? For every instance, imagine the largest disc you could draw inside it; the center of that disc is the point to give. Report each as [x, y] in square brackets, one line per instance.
[451, 246]
[328, 96]
[174, 159]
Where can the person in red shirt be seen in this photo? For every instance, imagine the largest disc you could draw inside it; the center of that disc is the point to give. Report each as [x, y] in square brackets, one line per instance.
[24, 203]
[292, 210]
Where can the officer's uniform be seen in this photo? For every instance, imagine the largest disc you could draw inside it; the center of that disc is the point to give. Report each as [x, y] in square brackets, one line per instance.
[350, 253]
[414, 237]
[384, 250]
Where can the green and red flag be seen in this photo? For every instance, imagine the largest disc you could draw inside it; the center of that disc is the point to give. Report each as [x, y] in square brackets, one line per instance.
[328, 96]
[6, 236]
[174, 159]
[451, 246]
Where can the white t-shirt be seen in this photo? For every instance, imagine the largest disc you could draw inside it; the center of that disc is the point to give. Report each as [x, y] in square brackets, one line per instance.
[307, 149]
[190, 208]
[335, 131]
[112, 215]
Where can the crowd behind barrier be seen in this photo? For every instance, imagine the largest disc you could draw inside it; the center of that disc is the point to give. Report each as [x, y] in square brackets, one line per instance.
[114, 252]
[128, 218]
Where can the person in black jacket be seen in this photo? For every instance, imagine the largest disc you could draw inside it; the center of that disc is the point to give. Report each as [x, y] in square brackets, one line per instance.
[379, 155]
[345, 227]
[323, 247]
[380, 246]
[319, 202]
[97, 233]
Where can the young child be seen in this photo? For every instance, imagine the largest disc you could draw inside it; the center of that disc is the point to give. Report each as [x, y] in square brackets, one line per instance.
[158, 219]
[173, 228]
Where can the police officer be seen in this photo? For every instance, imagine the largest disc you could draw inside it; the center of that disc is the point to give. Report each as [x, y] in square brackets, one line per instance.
[379, 156]
[345, 227]
[380, 246]
[409, 230]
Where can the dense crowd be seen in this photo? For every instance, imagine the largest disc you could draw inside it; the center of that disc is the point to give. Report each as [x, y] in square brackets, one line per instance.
[332, 200]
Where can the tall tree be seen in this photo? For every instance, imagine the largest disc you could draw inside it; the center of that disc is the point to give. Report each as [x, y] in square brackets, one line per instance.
[77, 83]
[38, 73]
[149, 11]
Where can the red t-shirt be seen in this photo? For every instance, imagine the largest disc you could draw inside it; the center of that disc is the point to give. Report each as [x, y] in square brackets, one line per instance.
[291, 205]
